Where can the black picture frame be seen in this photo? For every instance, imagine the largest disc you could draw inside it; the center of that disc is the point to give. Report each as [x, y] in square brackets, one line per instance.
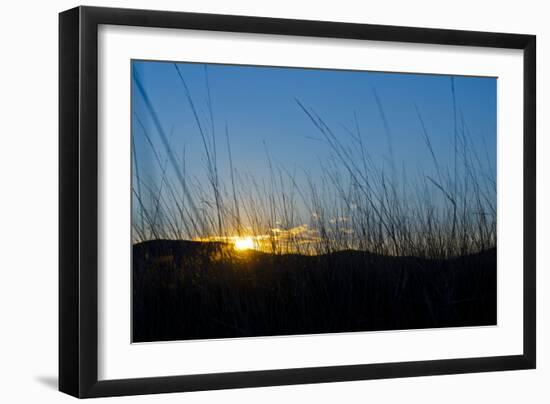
[78, 201]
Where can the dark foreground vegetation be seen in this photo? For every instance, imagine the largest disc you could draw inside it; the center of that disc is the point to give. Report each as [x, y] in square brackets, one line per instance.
[197, 290]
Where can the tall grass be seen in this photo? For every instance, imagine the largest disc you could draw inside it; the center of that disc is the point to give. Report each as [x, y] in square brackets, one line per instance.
[355, 202]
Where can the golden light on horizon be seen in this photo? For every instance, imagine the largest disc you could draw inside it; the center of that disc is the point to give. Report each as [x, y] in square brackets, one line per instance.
[244, 243]
[298, 239]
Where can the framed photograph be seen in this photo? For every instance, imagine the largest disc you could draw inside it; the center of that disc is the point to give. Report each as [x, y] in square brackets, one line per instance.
[251, 201]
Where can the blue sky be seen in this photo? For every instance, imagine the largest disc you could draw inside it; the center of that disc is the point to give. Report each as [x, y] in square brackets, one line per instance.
[257, 104]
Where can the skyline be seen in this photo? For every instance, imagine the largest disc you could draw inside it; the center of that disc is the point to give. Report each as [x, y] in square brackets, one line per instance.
[268, 117]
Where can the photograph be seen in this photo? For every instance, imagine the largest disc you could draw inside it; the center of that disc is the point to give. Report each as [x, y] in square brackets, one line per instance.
[273, 201]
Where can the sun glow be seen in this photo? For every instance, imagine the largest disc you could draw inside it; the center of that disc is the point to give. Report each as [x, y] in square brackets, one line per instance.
[299, 239]
[244, 243]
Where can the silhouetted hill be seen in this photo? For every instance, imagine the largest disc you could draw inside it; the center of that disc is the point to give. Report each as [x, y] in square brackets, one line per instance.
[197, 290]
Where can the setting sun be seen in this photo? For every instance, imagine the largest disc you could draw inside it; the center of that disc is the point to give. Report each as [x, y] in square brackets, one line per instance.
[244, 243]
